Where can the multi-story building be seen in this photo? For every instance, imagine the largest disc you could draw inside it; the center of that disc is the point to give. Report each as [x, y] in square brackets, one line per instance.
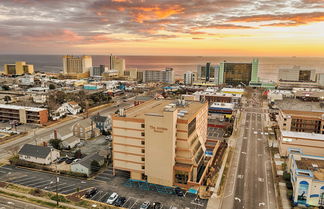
[320, 79]
[189, 78]
[97, 70]
[300, 116]
[212, 97]
[117, 63]
[77, 67]
[310, 143]
[164, 76]
[239, 73]
[208, 73]
[162, 142]
[307, 178]
[296, 74]
[23, 114]
[131, 74]
[19, 68]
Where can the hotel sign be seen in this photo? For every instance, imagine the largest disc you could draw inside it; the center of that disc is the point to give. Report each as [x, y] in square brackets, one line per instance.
[158, 129]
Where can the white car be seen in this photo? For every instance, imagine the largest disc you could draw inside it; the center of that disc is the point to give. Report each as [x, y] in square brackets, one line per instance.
[113, 197]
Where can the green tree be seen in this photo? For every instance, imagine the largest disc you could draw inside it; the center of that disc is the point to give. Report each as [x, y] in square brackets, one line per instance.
[5, 87]
[78, 154]
[56, 143]
[52, 86]
[95, 166]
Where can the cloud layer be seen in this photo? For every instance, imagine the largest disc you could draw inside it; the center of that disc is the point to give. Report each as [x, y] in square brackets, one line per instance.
[75, 23]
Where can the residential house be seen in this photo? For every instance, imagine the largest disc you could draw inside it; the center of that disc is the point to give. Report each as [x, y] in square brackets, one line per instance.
[103, 123]
[38, 154]
[72, 107]
[84, 165]
[85, 129]
[70, 142]
[62, 133]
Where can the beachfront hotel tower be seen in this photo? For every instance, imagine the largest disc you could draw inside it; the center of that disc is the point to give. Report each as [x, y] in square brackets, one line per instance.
[77, 67]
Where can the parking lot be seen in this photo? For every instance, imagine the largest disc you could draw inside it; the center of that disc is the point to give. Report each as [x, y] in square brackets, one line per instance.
[214, 132]
[106, 184]
[40, 180]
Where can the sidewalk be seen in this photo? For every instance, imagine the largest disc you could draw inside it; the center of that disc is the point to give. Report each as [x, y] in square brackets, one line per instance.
[283, 195]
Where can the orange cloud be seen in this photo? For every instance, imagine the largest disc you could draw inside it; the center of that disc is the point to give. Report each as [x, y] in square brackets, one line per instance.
[223, 26]
[146, 13]
[289, 19]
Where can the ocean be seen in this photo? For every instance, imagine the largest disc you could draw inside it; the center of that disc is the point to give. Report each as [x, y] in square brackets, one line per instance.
[268, 66]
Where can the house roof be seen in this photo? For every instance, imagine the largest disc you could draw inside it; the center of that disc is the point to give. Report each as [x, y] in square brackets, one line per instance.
[72, 103]
[35, 151]
[85, 123]
[65, 130]
[99, 118]
[86, 162]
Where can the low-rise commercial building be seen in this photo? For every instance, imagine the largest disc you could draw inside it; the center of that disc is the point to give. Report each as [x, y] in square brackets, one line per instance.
[162, 142]
[23, 114]
[222, 109]
[307, 178]
[310, 143]
[212, 97]
[300, 116]
[19, 68]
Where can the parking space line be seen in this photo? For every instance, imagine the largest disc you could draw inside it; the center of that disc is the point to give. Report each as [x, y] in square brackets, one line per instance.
[93, 198]
[53, 186]
[133, 204]
[102, 198]
[24, 180]
[65, 187]
[38, 183]
[69, 191]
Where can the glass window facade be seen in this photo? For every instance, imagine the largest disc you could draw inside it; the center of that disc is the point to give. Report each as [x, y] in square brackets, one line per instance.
[237, 73]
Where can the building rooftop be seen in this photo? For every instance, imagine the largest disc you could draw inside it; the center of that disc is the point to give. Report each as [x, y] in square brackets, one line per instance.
[34, 151]
[16, 107]
[232, 90]
[158, 106]
[299, 105]
[303, 135]
[217, 94]
[314, 165]
[222, 105]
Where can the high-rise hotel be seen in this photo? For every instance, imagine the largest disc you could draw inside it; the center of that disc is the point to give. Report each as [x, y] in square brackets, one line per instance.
[162, 142]
[77, 67]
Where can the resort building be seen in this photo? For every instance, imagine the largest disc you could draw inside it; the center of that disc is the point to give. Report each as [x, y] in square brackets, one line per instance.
[164, 76]
[162, 142]
[77, 67]
[296, 74]
[19, 68]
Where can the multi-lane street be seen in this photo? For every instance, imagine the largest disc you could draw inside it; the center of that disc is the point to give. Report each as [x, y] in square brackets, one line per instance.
[250, 183]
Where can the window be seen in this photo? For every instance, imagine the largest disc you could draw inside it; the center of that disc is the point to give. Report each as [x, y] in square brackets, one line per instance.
[143, 167]
[284, 124]
[143, 134]
[143, 158]
[143, 142]
[143, 125]
[143, 151]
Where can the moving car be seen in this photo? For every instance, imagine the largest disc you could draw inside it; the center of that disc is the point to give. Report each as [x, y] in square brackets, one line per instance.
[120, 201]
[113, 197]
[90, 193]
[145, 205]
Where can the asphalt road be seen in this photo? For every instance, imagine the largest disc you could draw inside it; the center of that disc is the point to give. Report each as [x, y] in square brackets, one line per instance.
[250, 183]
[7, 149]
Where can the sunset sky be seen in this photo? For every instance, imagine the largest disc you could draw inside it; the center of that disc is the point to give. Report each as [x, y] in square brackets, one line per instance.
[163, 27]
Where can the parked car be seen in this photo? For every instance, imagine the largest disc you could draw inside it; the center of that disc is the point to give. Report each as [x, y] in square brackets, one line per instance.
[69, 161]
[145, 205]
[120, 201]
[90, 193]
[157, 205]
[61, 160]
[179, 191]
[113, 197]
